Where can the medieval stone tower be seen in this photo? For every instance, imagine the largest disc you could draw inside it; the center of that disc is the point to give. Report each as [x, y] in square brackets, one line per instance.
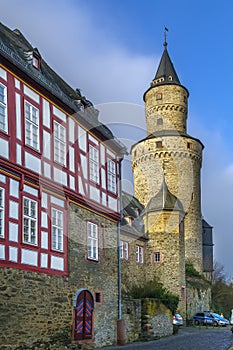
[166, 166]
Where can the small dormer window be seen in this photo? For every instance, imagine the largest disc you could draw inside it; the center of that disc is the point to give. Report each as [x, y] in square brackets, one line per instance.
[170, 78]
[36, 61]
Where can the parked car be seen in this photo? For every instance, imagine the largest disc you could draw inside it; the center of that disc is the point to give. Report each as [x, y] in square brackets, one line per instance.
[222, 321]
[204, 318]
[178, 320]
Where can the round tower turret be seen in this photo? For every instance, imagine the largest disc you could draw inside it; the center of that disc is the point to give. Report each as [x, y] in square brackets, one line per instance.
[169, 152]
[166, 100]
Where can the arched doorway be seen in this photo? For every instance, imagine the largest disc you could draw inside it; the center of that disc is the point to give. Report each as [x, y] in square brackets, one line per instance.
[83, 315]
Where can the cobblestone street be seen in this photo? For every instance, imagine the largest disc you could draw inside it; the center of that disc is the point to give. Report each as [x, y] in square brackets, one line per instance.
[187, 339]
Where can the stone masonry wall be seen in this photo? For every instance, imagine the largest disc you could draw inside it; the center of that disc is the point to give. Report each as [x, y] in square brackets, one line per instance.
[133, 273]
[198, 299]
[171, 107]
[181, 167]
[146, 319]
[38, 308]
[164, 236]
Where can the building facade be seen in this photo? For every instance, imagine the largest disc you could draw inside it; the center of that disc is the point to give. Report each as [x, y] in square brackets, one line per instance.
[58, 206]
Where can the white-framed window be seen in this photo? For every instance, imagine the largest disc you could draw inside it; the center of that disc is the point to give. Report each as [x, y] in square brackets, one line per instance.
[157, 257]
[2, 202]
[94, 164]
[31, 126]
[139, 254]
[57, 229]
[124, 250]
[29, 221]
[3, 108]
[59, 143]
[111, 176]
[92, 241]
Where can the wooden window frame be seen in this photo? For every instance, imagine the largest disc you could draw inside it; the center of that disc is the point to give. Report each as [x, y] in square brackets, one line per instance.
[59, 147]
[30, 219]
[94, 164]
[92, 241]
[111, 176]
[124, 250]
[57, 230]
[139, 254]
[3, 105]
[32, 124]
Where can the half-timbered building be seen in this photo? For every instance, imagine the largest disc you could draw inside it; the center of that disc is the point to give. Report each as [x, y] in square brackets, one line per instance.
[58, 205]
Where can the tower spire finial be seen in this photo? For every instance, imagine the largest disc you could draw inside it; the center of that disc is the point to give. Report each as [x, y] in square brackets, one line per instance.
[165, 37]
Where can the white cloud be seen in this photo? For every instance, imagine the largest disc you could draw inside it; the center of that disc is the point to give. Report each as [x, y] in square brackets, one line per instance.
[86, 56]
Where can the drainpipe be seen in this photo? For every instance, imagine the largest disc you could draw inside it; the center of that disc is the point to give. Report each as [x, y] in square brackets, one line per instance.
[121, 331]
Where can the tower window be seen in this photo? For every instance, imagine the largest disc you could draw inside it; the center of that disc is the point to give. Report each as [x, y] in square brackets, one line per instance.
[185, 99]
[189, 145]
[157, 257]
[160, 121]
[159, 96]
[159, 144]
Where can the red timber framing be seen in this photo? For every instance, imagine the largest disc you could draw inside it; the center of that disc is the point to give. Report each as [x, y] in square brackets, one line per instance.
[40, 169]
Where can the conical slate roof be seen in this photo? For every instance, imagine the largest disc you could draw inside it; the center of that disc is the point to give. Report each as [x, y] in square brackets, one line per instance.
[166, 69]
[165, 74]
[164, 200]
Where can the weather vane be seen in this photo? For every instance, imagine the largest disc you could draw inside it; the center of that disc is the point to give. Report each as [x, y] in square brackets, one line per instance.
[165, 35]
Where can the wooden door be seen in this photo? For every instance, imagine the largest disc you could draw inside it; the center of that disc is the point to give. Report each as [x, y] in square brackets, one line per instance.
[83, 316]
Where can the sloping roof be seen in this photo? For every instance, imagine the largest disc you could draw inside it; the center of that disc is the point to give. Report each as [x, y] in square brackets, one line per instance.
[131, 205]
[132, 208]
[166, 73]
[17, 50]
[205, 224]
[164, 200]
[166, 69]
[165, 133]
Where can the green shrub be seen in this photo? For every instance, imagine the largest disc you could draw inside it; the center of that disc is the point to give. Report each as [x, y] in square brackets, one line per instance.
[155, 290]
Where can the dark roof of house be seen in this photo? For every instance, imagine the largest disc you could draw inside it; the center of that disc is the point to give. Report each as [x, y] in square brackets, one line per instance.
[132, 208]
[17, 50]
[164, 200]
[131, 205]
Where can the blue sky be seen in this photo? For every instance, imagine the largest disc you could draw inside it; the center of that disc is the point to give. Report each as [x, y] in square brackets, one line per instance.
[110, 49]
